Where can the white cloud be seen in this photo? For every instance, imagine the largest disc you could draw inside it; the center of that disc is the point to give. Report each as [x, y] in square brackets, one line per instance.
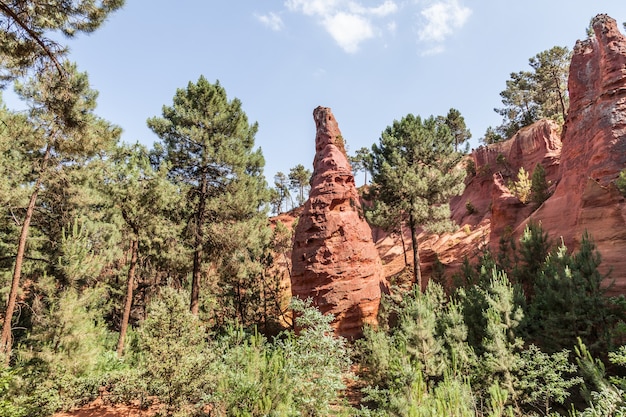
[313, 7]
[347, 21]
[271, 20]
[437, 49]
[443, 18]
[385, 9]
[349, 30]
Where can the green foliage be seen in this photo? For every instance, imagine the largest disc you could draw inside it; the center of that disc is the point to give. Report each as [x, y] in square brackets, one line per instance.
[421, 339]
[470, 207]
[420, 361]
[299, 179]
[501, 346]
[607, 397]
[218, 170]
[539, 185]
[317, 361]
[282, 194]
[470, 167]
[620, 182]
[8, 405]
[295, 375]
[532, 95]
[534, 246]
[27, 42]
[65, 360]
[570, 302]
[456, 124]
[175, 352]
[415, 171]
[545, 378]
[78, 261]
[491, 136]
[521, 188]
[360, 161]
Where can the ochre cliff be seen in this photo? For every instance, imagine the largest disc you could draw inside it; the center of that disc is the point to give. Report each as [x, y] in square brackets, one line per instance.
[334, 259]
[582, 160]
[594, 151]
[582, 163]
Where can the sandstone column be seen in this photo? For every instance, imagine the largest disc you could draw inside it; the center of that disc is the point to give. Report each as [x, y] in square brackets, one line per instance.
[334, 258]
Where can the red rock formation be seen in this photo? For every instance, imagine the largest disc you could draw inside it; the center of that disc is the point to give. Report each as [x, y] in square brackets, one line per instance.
[334, 258]
[582, 170]
[594, 151]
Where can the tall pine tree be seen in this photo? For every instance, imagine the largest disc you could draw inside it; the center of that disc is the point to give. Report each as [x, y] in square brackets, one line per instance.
[415, 170]
[61, 113]
[209, 146]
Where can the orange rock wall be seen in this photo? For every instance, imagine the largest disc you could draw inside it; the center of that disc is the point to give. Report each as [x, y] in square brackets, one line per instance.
[334, 258]
[594, 151]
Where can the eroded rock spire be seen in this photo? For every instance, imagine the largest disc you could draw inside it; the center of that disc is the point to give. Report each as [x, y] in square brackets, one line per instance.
[334, 258]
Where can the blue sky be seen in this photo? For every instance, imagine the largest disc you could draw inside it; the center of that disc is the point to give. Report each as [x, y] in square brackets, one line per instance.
[371, 61]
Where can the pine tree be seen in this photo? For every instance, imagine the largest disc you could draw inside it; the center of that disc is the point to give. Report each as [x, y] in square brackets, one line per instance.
[209, 146]
[299, 179]
[282, 191]
[500, 360]
[539, 185]
[522, 187]
[359, 161]
[143, 198]
[542, 93]
[61, 112]
[533, 248]
[456, 123]
[570, 301]
[30, 29]
[415, 171]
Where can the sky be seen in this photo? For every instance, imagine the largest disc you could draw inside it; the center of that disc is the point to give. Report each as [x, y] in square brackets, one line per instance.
[370, 61]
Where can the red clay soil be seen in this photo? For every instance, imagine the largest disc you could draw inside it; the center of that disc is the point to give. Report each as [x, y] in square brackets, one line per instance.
[98, 409]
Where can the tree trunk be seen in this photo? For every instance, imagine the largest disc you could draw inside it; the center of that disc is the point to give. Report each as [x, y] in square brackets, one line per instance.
[198, 249]
[417, 274]
[406, 261]
[561, 97]
[128, 303]
[5, 341]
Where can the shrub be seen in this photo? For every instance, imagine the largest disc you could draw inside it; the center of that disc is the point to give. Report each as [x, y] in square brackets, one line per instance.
[470, 207]
[176, 353]
[521, 187]
[539, 185]
[620, 182]
[315, 360]
[470, 167]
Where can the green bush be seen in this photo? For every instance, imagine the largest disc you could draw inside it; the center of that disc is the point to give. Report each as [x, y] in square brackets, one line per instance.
[620, 182]
[176, 353]
[539, 185]
[470, 207]
[470, 166]
[521, 188]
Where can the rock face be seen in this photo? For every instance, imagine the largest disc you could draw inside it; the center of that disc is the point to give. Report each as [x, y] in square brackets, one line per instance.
[334, 258]
[498, 163]
[594, 151]
[581, 162]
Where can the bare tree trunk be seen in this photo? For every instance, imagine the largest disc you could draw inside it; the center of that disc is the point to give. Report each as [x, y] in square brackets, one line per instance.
[6, 340]
[417, 273]
[198, 250]
[406, 261]
[195, 282]
[561, 97]
[128, 303]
